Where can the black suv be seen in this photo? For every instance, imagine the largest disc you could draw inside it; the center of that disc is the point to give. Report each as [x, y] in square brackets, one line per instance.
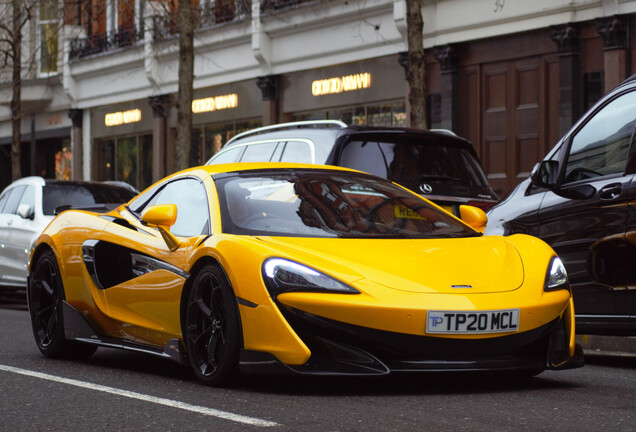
[436, 164]
[581, 200]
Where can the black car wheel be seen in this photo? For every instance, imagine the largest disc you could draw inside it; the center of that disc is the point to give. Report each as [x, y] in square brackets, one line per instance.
[212, 327]
[46, 294]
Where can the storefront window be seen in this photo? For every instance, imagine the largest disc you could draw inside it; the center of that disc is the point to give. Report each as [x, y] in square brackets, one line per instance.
[127, 160]
[121, 159]
[386, 114]
[353, 116]
[106, 151]
[63, 164]
[207, 140]
[146, 161]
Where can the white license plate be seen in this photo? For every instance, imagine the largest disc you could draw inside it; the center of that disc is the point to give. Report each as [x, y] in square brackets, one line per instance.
[473, 322]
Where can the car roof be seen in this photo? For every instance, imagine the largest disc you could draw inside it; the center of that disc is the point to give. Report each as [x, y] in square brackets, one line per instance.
[41, 182]
[31, 180]
[328, 132]
[315, 135]
[301, 129]
[242, 167]
[447, 135]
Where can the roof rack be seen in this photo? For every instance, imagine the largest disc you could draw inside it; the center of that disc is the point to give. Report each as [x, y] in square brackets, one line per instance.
[293, 125]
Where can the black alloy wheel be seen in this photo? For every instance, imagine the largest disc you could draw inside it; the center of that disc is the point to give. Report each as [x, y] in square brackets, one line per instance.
[212, 328]
[46, 294]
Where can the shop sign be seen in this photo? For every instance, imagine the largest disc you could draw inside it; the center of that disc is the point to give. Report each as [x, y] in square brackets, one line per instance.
[53, 120]
[215, 103]
[122, 117]
[341, 84]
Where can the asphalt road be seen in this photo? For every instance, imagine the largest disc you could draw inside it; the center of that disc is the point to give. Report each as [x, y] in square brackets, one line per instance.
[123, 391]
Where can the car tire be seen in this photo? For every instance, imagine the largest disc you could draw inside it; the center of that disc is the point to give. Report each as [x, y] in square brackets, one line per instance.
[212, 333]
[46, 294]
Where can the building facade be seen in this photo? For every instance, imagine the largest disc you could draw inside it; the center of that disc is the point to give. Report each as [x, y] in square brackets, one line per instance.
[508, 75]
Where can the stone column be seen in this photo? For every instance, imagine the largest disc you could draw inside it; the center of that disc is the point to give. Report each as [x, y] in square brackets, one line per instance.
[613, 29]
[161, 106]
[567, 39]
[403, 60]
[269, 86]
[449, 65]
[77, 145]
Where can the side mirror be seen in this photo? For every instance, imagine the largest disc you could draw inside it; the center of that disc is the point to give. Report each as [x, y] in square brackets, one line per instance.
[162, 217]
[473, 216]
[545, 175]
[25, 211]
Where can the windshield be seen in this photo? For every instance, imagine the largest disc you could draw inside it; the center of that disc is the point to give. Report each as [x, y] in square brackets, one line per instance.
[318, 203]
[70, 194]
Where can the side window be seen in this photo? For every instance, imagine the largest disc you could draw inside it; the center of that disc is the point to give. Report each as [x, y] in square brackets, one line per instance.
[261, 152]
[297, 151]
[228, 156]
[278, 152]
[28, 197]
[13, 199]
[192, 206]
[3, 200]
[600, 148]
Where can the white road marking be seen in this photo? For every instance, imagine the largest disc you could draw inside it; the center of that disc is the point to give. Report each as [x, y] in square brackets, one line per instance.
[152, 399]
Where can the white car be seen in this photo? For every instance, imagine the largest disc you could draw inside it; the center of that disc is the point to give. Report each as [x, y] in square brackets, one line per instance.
[28, 205]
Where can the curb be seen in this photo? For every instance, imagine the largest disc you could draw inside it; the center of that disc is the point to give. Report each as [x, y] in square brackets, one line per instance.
[607, 345]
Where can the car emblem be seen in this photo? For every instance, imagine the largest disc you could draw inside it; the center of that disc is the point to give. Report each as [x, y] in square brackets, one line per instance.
[426, 188]
[461, 286]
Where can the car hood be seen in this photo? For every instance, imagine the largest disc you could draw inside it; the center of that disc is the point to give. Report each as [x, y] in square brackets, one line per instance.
[466, 265]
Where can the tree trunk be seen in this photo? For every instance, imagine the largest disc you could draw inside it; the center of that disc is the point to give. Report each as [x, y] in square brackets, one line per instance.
[186, 77]
[16, 105]
[416, 69]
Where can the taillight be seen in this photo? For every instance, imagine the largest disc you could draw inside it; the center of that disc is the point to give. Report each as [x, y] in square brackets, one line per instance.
[484, 205]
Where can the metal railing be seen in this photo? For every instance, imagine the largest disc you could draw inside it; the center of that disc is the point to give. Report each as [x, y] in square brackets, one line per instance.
[210, 15]
[165, 26]
[100, 42]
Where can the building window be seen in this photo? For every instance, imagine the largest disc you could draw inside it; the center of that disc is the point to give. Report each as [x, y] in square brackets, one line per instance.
[381, 114]
[127, 159]
[48, 29]
[207, 140]
[64, 164]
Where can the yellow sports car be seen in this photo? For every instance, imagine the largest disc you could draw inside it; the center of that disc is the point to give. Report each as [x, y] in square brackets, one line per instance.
[298, 268]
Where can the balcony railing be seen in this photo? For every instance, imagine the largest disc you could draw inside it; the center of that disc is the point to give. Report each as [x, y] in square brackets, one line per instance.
[269, 6]
[211, 15]
[214, 13]
[100, 42]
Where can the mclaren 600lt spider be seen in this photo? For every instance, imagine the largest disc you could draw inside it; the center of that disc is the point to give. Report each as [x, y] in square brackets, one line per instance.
[295, 268]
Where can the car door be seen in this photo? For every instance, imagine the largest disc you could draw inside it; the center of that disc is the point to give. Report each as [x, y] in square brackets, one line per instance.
[22, 232]
[144, 277]
[588, 232]
[12, 257]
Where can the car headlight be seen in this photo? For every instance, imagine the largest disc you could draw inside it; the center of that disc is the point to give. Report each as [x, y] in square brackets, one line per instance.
[557, 277]
[282, 275]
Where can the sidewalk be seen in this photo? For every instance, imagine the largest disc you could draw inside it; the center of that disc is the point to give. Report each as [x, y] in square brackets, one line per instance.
[613, 345]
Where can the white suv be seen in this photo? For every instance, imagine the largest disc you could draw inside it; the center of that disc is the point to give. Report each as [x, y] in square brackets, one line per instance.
[436, 164]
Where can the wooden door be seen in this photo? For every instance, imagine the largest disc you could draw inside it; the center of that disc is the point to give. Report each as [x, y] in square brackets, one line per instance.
[510, 115]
